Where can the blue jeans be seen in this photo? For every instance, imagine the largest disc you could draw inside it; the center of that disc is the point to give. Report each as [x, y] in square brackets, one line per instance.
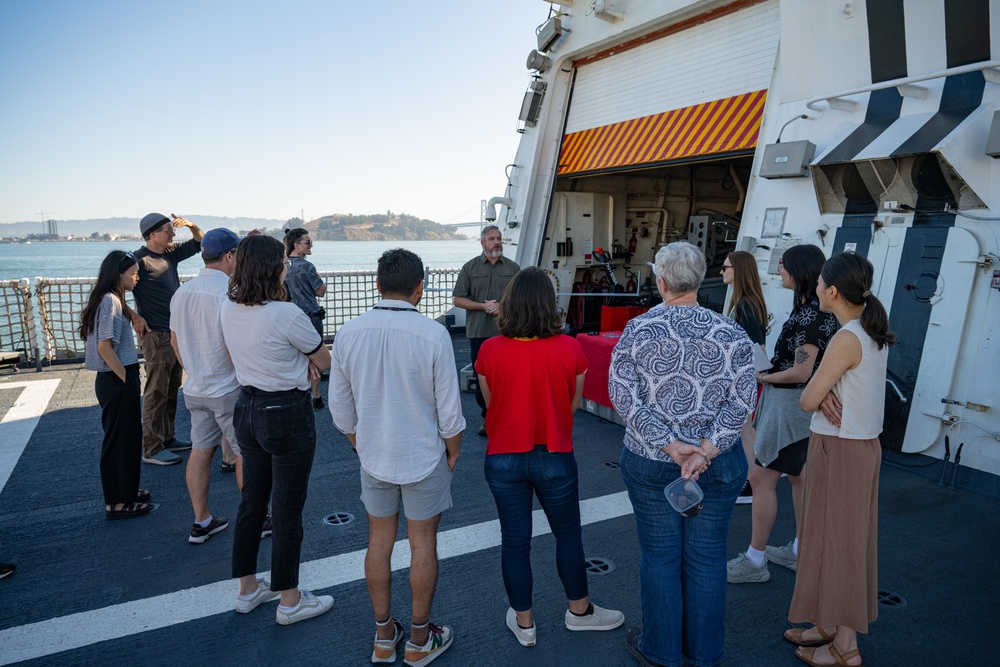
[682, 565]
[277, 435]
[552, 477]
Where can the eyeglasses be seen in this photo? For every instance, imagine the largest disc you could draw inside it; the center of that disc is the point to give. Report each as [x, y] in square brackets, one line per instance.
[127, 256]
[309, 242]
[726, 266]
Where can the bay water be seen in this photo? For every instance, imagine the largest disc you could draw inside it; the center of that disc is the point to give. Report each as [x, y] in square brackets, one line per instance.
[82, 259]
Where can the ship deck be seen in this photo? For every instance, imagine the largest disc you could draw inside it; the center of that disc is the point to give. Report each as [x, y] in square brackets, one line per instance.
[88, 591]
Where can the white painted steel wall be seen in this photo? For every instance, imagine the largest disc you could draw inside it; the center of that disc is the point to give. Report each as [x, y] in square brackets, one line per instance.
[735, 54]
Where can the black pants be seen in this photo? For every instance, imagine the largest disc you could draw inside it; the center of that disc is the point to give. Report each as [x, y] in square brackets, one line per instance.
[277, 435]
[121, 452]
[474, 345]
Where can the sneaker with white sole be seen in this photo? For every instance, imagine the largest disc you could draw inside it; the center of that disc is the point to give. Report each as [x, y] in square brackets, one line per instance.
[783, 556]
[525, 636]
[439, 640]
[199, 535]
[247, 603]
[598, 619]
[741, 570]
[385, 649]
[309, 606]
[746, 495]
[268, 527]
[162, 458]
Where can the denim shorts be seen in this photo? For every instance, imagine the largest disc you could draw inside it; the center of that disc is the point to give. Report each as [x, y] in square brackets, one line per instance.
[421, 500]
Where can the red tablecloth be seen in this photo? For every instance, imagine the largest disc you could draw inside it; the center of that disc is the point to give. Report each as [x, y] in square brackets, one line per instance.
[598, 352]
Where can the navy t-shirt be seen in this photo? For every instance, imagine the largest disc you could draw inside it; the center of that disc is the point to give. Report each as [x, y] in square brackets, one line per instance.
[158, 280]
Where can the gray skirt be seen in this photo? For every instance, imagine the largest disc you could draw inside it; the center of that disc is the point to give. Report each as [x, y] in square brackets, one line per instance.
[779, 422]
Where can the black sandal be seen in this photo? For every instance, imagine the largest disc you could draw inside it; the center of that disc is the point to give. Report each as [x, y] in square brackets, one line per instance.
[144, 496]
[130, 511]
[228, 467]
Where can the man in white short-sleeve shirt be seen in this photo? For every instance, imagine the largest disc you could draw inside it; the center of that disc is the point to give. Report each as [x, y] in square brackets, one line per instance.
[394, 392]
[211, 388]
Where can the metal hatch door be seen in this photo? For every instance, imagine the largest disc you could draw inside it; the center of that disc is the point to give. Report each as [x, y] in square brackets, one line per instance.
[928, 313]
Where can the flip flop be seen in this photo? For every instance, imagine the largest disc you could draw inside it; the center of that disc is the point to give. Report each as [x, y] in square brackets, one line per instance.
[144, 496]
[794, 636]
[805, 654]
[130, 511]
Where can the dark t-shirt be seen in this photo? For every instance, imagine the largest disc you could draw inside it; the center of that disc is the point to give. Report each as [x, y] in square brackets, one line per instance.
[746, 318]
[807, 325]
[158, 280]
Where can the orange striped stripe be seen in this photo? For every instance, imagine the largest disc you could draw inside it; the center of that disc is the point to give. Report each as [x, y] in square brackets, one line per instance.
[721, 126]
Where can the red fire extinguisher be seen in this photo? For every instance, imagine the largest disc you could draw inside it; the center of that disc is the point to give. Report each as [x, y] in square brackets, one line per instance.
[632, 242]
[587, 277]
[630, 285]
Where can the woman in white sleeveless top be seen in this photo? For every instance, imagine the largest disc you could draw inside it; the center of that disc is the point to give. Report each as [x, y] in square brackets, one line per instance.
[836, 582]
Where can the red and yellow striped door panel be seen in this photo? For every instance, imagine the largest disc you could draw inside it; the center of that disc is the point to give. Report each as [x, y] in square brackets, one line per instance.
[722, 126]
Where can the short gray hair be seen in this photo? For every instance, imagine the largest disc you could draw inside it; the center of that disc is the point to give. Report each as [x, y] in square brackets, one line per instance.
[681, 266]
[486, 230]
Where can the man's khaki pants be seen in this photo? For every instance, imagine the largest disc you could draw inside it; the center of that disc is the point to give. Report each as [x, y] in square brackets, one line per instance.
[159, 397]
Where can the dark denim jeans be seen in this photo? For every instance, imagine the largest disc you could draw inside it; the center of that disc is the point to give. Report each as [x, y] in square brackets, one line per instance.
[276, 432]
[682, 565]
[552, 477]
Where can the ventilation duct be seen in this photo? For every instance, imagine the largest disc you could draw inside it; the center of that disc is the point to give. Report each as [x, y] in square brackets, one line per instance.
[850, 187]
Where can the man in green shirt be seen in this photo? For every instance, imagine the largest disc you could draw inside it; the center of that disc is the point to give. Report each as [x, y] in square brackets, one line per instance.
[478, 289]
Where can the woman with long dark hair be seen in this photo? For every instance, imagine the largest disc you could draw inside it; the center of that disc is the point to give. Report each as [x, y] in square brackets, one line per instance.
[304, 285]
[532, 379]
[276, 351]
[105, 326]
[748, 309]
[781, 440]
[836, 586]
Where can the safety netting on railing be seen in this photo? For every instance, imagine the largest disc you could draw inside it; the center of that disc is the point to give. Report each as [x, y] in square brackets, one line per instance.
[17, 320]
[349, 294]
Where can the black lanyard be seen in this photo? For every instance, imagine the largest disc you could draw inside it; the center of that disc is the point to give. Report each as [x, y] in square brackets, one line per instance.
[406, 310]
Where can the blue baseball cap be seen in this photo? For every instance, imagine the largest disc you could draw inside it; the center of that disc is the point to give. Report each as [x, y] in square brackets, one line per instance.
[218, 241]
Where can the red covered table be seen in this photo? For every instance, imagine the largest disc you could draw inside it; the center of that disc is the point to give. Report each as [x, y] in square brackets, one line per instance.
[598, 349]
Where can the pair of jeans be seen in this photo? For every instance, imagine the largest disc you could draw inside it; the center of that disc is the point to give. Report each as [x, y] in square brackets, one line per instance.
[552, 477]
[682, 565]
[159, 398]
[277, 435]
[121, 451]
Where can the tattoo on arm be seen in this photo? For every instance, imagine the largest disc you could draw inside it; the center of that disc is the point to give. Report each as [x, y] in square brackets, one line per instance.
[801, 355]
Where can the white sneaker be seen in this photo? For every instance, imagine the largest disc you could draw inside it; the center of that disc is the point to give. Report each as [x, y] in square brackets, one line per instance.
[741, 570]
[525, 636]
[385, 649]
[783, 556]
[247, 603]
[309, 606]
[598, 619]
[439, 640]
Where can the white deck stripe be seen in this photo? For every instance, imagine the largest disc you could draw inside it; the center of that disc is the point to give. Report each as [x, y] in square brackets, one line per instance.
[65, 633]
[20, 421]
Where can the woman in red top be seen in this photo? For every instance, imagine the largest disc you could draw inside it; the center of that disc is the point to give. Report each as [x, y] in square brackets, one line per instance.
[532, 379]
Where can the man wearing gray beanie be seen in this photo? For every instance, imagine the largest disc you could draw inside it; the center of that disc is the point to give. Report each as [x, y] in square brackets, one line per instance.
[158, 280]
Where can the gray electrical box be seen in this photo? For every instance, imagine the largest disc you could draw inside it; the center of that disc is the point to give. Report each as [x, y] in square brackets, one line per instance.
[993, 141]
[788, 160]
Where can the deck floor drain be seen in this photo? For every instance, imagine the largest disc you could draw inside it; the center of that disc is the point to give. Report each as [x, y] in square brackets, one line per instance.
[612, 464]
[891, 599]
[338, 519]
[598, 565]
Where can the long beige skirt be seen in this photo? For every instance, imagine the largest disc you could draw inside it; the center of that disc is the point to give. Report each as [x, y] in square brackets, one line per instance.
[836, 581]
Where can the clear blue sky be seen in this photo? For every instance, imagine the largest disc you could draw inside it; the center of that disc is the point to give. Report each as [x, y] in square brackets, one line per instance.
[260, 109]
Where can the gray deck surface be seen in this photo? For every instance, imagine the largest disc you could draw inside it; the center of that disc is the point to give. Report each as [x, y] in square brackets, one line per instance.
[936, 551]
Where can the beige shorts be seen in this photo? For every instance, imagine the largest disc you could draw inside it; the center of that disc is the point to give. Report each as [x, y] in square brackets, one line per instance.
[421, 500]
[211, 419]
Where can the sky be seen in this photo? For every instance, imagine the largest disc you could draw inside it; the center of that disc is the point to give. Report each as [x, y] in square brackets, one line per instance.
[262, 109]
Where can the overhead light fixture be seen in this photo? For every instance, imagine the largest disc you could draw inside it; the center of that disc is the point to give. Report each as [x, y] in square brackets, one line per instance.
[538, 61]
[550, 31]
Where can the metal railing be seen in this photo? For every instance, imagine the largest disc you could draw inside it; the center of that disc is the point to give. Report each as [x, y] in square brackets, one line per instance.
[43, 324]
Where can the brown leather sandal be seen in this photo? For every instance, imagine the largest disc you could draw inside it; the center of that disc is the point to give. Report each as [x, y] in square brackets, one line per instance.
[805, 654]
[794, 636]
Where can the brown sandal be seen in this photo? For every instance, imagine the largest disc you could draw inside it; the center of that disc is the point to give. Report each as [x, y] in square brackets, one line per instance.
[805, 654]
[794, 636]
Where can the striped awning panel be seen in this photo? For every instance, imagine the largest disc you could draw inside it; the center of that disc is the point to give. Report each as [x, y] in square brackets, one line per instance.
[722, 126]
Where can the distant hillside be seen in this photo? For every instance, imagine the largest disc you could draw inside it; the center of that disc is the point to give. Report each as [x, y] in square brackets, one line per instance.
[119, 226]
[387, 226]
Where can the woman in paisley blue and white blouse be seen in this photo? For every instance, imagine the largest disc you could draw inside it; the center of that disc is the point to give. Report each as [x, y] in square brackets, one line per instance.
[682, 379]
[782, 429]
